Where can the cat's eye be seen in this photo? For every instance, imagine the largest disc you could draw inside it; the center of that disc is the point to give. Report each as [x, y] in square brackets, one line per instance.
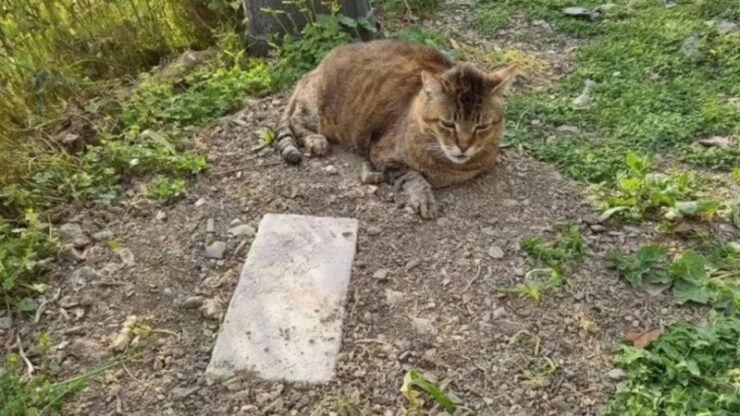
[483, 127]
[447, 124]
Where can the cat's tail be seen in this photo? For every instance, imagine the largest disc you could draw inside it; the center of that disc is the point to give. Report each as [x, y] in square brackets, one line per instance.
[285, 140]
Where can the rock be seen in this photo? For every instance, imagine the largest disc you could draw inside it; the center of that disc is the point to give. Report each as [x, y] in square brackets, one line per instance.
[160, 216]
[722, 142]
[306, 260]
[235, 222]
[394, 297]
[210, 226]
[373, 230]
[496, 252]
[726, 27]
[566, 130]
[200, 202]
[87, 349]
[73, 255]
[245, 230]
[690, 47]
[192, 302]
[102, 235]
[584, 100]
[82, 276]
[617, 374]
[381, 274]
[423, 326]
[499, 312]
[72, 233]
[331, 170]
[212, 309]
[127, 257]
[412, 264]
[216, 250]
[6, 322]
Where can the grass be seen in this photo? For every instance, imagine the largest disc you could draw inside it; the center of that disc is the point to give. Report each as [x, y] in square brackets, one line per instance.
[650, 98]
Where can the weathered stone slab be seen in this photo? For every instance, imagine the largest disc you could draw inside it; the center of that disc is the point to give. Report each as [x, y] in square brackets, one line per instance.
[284, 321]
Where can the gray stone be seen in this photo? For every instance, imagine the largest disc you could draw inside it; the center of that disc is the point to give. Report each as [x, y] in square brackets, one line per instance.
[192, 302]
[216, 250]
[212, 309]
[617, 374]
[566, 130]
[242, 230]
[331, 170]
[210, 226]
[284, 321]
[72, 233]
[381, 274]
[127, 257]
[102, 235]
[727, 26]
[496, 252]
[160, 216]
[6, 322]
[423, 325]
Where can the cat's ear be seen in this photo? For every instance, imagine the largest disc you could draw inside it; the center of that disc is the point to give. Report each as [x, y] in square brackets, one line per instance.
[432, 84]
[502, 78]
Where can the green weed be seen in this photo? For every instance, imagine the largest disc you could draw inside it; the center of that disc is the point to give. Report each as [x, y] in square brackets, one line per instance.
[640, 192]
[299, 54]
[36, 397]
[414, 379]
[689, 370]
[24, 250]
[491, 19]
[164, 188]
[565, 248]
[710, 280]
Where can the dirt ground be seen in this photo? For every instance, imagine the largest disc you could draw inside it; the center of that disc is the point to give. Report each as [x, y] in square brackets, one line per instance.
[423, 294]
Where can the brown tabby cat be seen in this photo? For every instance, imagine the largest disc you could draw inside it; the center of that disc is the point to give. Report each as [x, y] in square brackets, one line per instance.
[423, 121]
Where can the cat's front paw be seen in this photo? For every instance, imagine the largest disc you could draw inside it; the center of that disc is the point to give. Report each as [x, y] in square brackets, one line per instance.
[424, 203]
[317, 144]
[420, 195]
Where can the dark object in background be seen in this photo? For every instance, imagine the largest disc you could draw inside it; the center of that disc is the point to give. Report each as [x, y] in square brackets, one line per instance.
[261, 25]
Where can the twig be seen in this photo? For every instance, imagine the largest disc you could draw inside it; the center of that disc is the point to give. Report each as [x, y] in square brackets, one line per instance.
[42, 307]
[166, 331]
[470, 282]
[29, 365]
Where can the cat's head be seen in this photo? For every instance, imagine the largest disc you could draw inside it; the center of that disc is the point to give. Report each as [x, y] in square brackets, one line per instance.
[464, 110]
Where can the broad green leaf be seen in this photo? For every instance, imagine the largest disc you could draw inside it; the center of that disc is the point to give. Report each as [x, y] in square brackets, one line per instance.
[28, 305]
[693, 368]
[690, 268]
[347, 21]
[686, 291]
[609, 212]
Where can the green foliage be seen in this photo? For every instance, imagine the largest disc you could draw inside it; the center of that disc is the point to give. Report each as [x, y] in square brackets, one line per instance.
[395, 9]
[566, 247]
[491, 19]
[35, 397]
[640, 192]
[536, 282]
[713, 279]
[650, 97]
[164, 188]
[414, 379]
[23, 249]
[298, 55]
[689, 370]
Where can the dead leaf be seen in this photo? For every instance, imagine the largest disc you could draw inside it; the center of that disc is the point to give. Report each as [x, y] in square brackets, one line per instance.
[454, 44]
[585, 324]
[642, 339]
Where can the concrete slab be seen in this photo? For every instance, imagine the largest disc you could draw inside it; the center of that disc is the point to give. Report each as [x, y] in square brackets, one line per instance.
[284, 321]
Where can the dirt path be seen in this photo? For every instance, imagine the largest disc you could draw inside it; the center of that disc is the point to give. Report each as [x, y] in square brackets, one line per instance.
[423, 294]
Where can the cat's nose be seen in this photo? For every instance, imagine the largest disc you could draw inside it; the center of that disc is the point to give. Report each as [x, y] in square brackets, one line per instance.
[464, 143]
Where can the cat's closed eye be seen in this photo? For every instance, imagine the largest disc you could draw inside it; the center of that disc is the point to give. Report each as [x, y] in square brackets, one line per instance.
[447, 124]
